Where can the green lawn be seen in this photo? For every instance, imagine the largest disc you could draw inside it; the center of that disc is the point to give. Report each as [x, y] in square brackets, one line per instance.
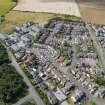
[5, 6]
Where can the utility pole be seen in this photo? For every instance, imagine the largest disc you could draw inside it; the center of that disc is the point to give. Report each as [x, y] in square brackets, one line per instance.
[0, 19]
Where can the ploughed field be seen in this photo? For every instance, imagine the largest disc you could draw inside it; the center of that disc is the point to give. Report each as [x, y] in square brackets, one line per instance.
[68, 7]
[93, 10]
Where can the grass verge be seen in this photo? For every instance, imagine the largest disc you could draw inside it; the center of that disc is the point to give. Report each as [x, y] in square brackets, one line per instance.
[30, 102]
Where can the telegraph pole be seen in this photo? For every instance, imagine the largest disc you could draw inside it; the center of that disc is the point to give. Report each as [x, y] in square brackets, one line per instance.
[0, 19]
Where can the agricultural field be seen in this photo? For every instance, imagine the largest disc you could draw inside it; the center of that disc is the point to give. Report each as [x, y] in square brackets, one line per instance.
[93, 10]
[5, 6]
[68, 7]
[17, 18]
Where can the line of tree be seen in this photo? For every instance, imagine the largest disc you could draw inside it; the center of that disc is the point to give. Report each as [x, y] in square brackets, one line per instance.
[11, 83]
[14, 0]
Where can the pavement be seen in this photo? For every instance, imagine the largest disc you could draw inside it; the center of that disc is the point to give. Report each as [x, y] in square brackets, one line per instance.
[31, 89]
[65, 103]
[22, 100]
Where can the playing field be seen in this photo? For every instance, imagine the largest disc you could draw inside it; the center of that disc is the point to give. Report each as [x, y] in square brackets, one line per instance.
[5, 6]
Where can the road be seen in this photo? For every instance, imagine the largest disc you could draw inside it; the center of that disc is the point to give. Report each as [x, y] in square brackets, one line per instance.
[101, 57]
[71, 77]
[74, 59]
[97, 46]
[31, 89]
[22, 100]
[90, 96]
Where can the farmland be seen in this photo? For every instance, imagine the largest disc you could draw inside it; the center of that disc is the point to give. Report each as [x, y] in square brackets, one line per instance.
[5, 6]
[16, 18]
[93, 10]
[68, 7]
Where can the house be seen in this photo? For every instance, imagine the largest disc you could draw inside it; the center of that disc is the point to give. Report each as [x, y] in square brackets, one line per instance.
[93, 88]
[3, 37]
[96, 72]
[52, 99]
[15, 48]
[86, 82]
[24, 30]
[21, 44]
[35, 71]
[25, 39]
[18, 55]
[68, 86]
[59, 94]
[74, 72]
[82, 79]
[78, 96]
[74, 98]
[100, 93]
[18, 29]
[43, 87]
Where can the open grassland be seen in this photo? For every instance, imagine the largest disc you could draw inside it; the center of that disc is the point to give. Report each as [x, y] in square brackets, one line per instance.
[68, 7]
[93, 10]
[5, 6]
[17, 18]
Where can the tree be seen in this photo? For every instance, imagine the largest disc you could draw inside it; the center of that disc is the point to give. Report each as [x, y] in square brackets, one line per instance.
[100, 81]
[11, 83]
[3, 55]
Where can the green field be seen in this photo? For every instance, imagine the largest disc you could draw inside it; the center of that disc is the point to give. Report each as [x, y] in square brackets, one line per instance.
[5, 6]
[17, 18]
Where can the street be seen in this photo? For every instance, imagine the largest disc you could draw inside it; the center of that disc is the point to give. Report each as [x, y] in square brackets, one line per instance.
[66, 71]
[98, 47]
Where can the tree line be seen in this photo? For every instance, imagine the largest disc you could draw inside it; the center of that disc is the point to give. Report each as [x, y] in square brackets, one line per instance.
[11, 83]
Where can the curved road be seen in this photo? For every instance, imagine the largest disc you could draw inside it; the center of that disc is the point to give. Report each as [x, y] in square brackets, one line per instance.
[97, 46]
